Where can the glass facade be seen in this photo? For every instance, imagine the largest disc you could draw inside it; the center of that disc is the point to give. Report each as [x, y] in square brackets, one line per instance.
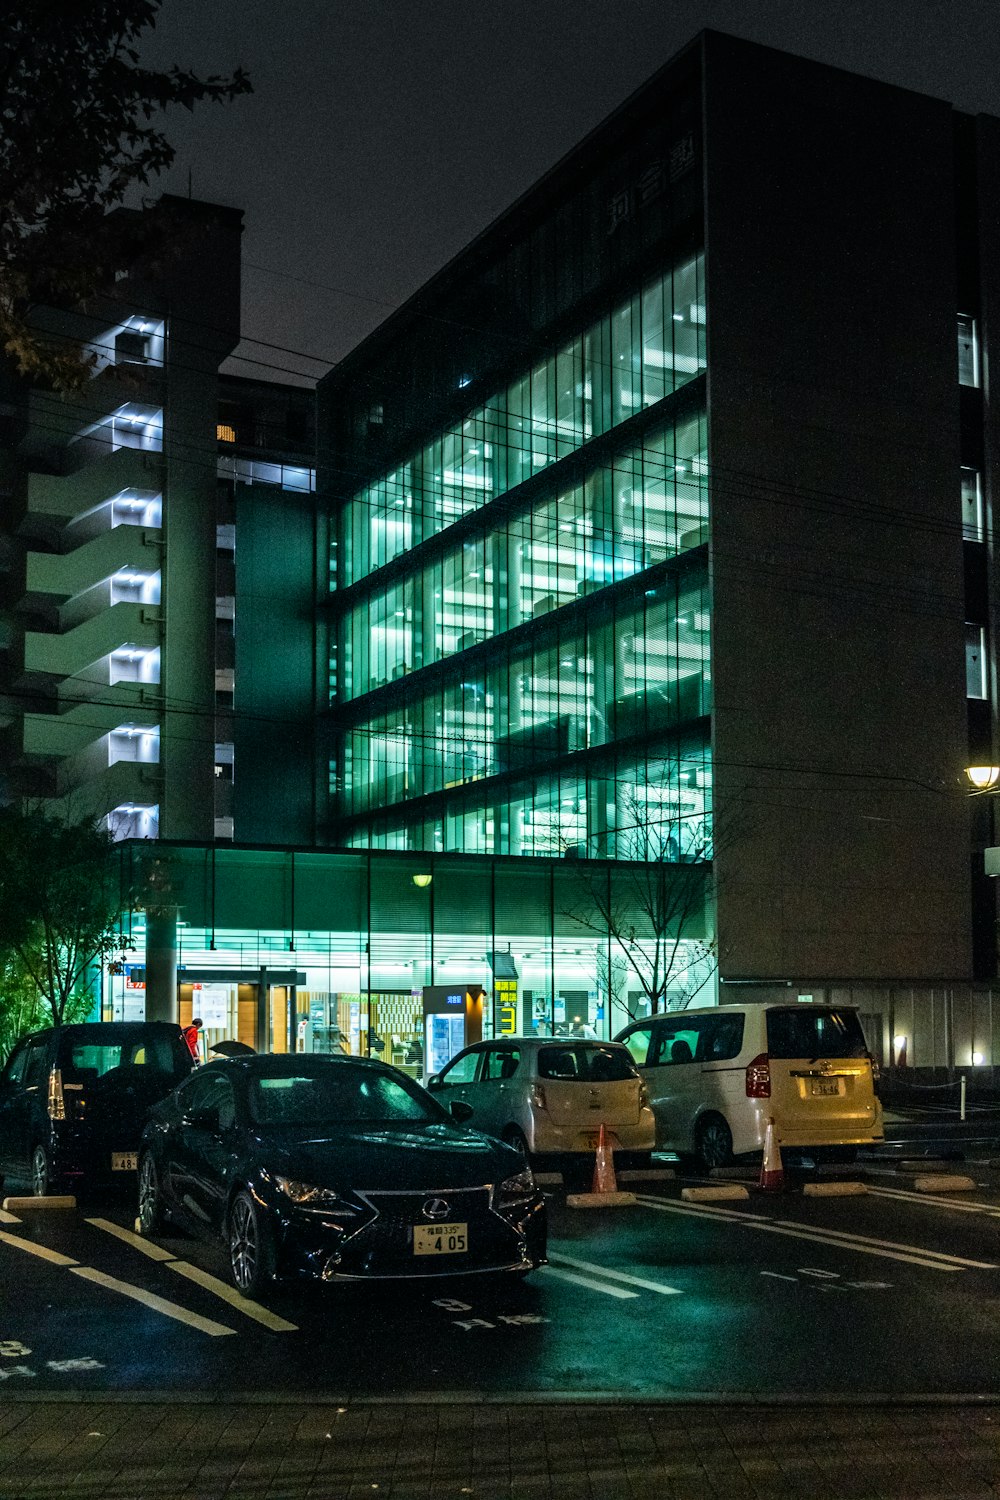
[334, 951]
[520, 659]
[643, 507]
[646, 348]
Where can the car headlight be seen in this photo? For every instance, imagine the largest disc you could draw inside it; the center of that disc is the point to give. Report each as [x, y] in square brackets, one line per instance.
[515, 1189]
[307, 1195]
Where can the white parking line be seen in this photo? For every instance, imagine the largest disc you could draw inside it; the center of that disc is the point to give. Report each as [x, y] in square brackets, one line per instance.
[229, 1294]
[204, 1279]
[933, 1260]
[624, 1276]
[991, 1210]
[150, 1299]
[592, 1286]
[147, 1247]
[42, 1251]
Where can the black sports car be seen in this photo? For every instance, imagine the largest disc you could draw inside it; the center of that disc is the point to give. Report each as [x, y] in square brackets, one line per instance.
[338, 1169]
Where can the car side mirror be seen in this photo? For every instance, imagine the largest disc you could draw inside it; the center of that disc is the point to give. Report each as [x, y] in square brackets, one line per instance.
[434, 1082]
[460, 1111]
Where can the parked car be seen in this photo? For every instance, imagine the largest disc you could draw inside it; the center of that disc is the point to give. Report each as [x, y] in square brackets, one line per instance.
[716, 1076]
[337, 1169]
[74, 1099]
[549, 1096]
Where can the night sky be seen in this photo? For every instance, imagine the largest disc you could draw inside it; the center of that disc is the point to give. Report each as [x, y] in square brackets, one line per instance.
[384, 134]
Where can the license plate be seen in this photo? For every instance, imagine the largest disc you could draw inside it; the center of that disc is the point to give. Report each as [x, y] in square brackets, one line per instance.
[124, 1161]
[440, 1239]
[826, 1086]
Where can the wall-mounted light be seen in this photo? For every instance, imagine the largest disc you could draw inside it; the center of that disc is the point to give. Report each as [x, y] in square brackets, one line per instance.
[422, 881]
[983, 778]
[978, 1059]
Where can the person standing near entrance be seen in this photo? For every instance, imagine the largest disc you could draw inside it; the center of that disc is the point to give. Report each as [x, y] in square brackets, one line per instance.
[192, 1035]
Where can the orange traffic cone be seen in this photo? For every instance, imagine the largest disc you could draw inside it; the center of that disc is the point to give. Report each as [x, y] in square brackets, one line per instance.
[605, 1180]
[772, 1173]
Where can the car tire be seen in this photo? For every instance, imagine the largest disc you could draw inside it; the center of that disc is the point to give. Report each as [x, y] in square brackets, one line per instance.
[714, 1143]
[251, 1248]
[512, 1136]
[152, 1214]
[41, 1172]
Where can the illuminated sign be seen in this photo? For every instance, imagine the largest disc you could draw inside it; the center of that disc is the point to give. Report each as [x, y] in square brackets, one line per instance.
[505, 999]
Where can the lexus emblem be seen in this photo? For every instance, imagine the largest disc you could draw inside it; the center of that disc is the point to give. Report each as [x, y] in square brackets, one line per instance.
[436, 1208]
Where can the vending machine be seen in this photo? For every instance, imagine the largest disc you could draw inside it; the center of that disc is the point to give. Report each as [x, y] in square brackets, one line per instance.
[453, 1019]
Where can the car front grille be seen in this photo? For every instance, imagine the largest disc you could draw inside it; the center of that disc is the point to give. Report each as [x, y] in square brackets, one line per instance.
[384, 1247]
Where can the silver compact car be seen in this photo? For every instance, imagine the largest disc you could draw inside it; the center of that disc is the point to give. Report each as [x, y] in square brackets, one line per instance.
[549, 1097]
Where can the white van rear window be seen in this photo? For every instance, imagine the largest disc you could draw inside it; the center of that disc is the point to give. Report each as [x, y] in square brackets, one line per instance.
[813, 1033]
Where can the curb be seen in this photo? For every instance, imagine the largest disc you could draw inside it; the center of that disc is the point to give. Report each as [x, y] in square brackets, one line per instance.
[52, 1201]
[834, 1189]
[725, 1192]
[839, 1399]
[601, 1200]
[949, 1184]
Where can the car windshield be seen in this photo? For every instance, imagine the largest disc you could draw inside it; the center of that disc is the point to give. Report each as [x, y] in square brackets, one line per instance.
[812, 1034]
[339, 1095]
[582, 1064]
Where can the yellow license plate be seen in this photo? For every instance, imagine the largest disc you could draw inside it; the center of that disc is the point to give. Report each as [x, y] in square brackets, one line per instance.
[440, 1239]
[124, 1161]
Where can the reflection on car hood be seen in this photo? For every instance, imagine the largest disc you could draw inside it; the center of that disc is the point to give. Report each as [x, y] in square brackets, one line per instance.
[382, 1158]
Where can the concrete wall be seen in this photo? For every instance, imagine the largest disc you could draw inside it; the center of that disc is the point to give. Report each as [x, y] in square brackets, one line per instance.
[840, 716]
[275, 634]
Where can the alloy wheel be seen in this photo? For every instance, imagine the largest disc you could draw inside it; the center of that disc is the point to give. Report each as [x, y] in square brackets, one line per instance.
[243, 1246]
[715, 1143]
[39, 1172]
[149, 1195]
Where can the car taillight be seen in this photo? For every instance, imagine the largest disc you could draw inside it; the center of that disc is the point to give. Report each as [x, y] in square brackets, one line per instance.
[876, 1072]
[57, 1104]
[538, 1096]
[643, 1094]
[759, 1077]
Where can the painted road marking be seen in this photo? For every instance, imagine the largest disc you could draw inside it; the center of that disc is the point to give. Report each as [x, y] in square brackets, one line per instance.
[233, 1298]
[147, 1247]
[991, 1210]
[592, 1286]
[210, 1283]
[42, 1251]
[913, 1255]
[6, 1217]
[628, 1279]
[150, 1299]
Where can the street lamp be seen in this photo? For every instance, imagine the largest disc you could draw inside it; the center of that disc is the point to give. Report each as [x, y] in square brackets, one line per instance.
[983, 778]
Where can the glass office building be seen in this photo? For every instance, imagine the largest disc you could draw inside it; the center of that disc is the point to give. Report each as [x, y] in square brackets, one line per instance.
[519, 647]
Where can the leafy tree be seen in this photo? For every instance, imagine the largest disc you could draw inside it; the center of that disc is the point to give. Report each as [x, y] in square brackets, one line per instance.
[78, 128]
[21, 1006]
[60, 903]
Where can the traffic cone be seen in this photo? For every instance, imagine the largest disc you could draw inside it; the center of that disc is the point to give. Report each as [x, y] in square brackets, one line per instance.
[772, 1173]
[604, 1167]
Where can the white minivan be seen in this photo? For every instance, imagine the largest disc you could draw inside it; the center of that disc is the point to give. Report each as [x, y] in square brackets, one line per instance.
[716, 1076]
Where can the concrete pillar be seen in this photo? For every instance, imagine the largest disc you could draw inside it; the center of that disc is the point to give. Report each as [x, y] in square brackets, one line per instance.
[161, 964]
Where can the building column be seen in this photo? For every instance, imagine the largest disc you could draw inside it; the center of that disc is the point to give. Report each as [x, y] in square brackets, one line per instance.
[161, 964]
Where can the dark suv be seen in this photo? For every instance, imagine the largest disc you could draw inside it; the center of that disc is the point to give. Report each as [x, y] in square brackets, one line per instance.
[73, 1099]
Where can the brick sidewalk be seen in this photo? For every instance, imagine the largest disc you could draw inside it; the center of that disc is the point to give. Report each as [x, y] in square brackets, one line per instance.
[542, 1451]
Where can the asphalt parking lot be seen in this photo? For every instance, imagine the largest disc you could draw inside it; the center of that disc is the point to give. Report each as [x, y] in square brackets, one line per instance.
[889, 1293]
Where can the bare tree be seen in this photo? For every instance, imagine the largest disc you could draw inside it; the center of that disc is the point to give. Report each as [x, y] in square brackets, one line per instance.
[650, 908]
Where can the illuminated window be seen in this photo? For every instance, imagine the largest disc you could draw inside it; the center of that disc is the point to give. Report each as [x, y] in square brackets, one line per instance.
[224, 433]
